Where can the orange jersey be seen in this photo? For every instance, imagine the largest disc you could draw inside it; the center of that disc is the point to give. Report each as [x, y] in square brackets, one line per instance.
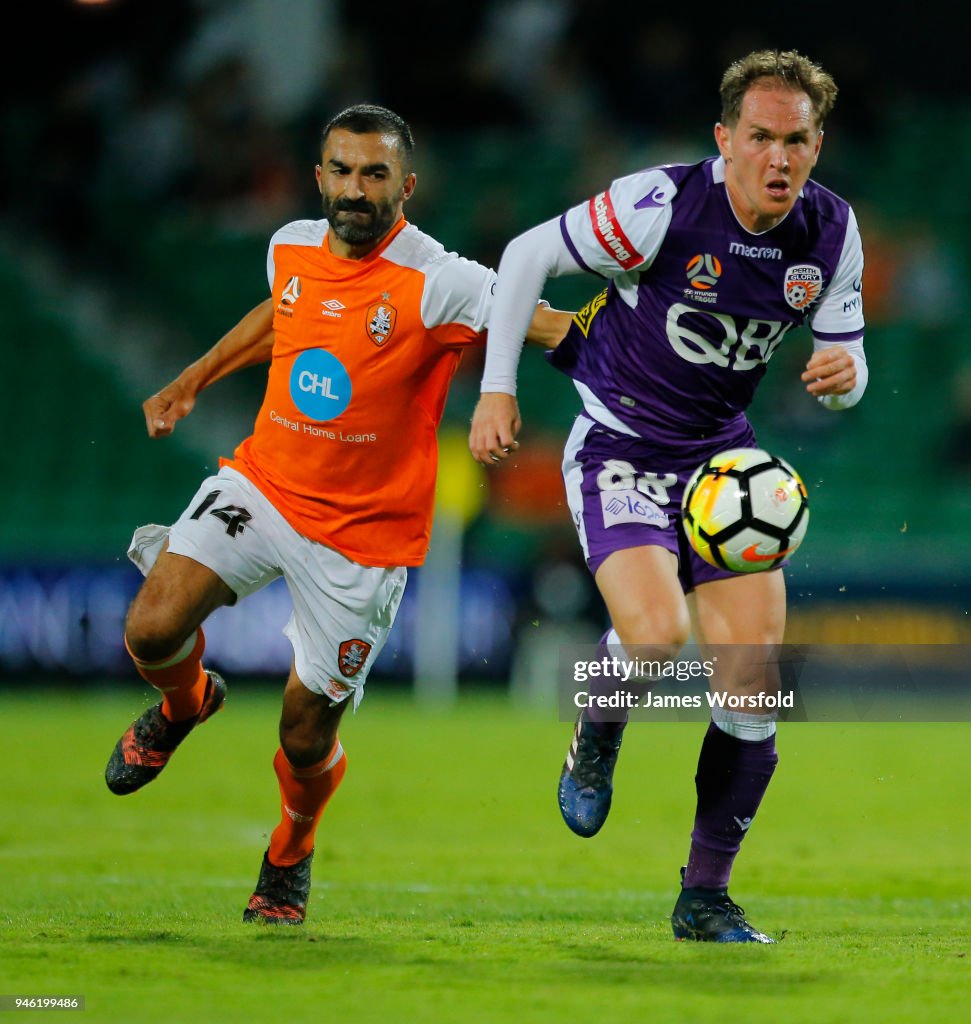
[345, 443]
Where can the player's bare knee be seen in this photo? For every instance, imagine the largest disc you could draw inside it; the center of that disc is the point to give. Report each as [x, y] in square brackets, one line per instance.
[664, 632]
[304, 747]
[152, 633]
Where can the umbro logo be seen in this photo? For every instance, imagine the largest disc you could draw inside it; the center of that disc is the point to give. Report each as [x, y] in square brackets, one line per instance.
[332, 307]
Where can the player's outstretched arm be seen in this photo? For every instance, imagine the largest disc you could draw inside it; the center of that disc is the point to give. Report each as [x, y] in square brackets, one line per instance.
[496, 421]
[248, 343]
[526, 264]
[495, 424]
[548, 326]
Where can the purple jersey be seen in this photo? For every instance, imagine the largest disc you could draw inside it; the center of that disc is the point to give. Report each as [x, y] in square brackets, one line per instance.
[675, 346]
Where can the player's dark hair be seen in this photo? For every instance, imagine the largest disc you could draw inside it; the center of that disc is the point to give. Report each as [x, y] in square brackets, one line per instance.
[792, 68]
[366, 118]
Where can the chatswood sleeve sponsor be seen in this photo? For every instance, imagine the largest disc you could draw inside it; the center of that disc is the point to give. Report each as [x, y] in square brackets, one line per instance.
[609, 233]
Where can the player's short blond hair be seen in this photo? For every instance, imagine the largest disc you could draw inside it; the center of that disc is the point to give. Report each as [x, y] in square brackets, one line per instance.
[791, 68]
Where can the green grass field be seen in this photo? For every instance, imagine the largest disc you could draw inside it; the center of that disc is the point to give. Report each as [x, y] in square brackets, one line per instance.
[448, 890]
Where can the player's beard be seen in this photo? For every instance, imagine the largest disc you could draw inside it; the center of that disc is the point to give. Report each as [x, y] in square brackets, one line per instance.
[357, 232]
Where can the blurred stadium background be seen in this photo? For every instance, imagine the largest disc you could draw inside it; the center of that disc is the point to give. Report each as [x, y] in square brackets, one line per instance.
[150, 150]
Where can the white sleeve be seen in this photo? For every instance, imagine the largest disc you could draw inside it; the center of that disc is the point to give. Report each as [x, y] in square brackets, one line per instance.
[458, 291]
[270, 263]
[616, 231]
[838, 316]
[297, 232]
[527, 262]
[847, 401]
[622, 229]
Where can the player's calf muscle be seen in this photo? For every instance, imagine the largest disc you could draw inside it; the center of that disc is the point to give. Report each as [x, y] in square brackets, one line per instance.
[308, 724]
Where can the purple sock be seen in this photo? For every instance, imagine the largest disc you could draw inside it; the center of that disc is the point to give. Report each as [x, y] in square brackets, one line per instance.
[732, 778]
[607, 719]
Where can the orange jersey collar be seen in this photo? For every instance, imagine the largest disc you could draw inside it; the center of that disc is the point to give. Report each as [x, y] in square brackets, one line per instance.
[396, 228]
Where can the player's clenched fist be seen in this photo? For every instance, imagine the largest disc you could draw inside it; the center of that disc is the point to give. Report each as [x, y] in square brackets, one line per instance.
[164, 409]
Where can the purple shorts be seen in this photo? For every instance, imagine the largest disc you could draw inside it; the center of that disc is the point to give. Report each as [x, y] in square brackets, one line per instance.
[625, 492]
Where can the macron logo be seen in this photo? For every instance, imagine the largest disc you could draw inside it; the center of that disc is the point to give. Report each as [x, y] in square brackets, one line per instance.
[653, 198]
[755, 252]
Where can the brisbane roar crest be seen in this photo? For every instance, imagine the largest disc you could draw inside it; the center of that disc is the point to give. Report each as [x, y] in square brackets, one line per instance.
[351, 656]
[380, 322]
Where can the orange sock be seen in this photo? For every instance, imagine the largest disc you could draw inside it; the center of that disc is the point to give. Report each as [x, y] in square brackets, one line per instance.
[180, 678]
[304, 792]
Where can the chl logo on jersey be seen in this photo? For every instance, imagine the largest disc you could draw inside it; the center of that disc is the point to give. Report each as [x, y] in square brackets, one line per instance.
[802, 285]
[320, 386]
[584, 318]
[380, 322]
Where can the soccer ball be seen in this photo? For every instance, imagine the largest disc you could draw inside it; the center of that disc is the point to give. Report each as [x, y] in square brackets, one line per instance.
[745, 510]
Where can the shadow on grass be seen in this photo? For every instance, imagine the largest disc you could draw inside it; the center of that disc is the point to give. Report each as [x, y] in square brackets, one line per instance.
[459, 957]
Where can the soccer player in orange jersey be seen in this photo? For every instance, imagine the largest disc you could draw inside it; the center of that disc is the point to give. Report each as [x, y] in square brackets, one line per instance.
[334, 488]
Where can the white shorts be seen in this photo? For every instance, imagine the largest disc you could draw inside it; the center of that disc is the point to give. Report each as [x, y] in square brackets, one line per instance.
[342, 611]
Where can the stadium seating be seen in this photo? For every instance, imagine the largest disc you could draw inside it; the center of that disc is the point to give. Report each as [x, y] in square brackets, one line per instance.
[885, 493]
[78, 471]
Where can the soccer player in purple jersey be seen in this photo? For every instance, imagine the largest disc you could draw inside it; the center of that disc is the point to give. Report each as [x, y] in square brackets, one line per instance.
[709, 265]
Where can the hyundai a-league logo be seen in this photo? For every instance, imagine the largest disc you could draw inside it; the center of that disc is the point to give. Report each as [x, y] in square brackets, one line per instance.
[319, 385]
[703, 271]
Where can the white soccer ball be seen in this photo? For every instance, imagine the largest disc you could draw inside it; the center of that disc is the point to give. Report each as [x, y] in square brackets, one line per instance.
[745, 510]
